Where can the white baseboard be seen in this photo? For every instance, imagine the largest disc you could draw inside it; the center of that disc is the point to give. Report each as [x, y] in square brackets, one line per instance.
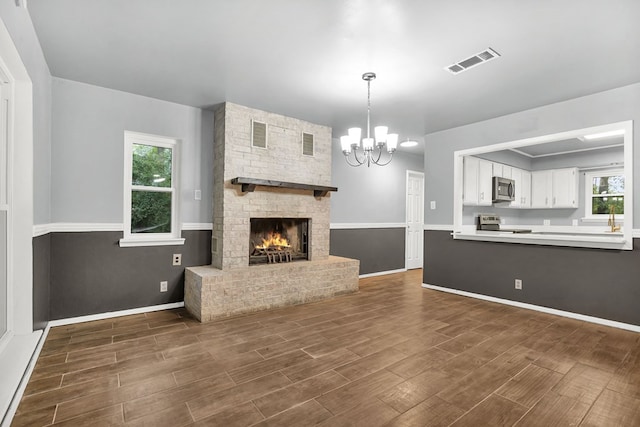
[577, 316]
[365, 225]
[382, 273]
[111, 314]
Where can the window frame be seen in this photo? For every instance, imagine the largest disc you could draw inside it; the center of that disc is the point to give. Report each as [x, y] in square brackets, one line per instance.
[174, 237]
[588, 193]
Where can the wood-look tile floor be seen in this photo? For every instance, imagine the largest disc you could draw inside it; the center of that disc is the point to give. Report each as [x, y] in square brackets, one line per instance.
[393, 354]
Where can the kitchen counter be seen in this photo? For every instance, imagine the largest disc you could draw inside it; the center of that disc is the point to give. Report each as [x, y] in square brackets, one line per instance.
[561, 236]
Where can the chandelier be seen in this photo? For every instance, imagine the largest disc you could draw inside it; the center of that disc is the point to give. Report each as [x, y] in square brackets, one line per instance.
[371, 149]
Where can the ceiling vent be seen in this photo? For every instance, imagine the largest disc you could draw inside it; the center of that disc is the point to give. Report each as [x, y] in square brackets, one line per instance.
[472, 61]
[258, 134]
[307, 144]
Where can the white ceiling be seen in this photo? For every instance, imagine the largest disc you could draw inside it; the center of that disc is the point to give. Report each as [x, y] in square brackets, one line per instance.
[305, 58]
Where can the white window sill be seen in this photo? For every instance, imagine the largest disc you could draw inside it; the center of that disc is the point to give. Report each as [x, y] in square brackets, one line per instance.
[605, 219]
[137, 242]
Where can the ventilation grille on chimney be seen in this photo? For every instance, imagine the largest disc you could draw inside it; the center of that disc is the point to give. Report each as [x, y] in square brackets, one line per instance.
[477, 59]
[258, 134]
[307, 144]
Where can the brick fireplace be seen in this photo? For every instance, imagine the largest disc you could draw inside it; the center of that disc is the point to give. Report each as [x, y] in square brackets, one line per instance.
[292, 158]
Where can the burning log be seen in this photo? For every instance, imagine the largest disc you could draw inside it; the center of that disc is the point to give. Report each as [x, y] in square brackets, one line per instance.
[276, 248]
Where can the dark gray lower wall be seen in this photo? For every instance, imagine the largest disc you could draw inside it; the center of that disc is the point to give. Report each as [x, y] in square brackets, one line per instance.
[594, 282]
[91, 273]
[378, 249]
[41, 280]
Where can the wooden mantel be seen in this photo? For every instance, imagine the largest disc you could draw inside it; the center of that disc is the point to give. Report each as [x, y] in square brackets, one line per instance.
[249, 185]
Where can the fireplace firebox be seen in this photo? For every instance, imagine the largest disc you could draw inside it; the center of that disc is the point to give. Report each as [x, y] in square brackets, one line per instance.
[275, 240]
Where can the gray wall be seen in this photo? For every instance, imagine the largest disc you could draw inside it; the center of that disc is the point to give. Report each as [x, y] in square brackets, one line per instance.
[595, 282]
[41, 280]
[91, 273]
[374, 195]
[370, 195]
[601, 108]
[601, 283]
[88, 151]
[378, 249]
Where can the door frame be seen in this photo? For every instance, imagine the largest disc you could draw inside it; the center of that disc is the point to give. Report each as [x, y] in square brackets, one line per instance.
[20, 144]
[406, 199]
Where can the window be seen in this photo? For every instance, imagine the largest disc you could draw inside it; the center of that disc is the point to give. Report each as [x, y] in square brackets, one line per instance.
[151, 191]
[604, 193]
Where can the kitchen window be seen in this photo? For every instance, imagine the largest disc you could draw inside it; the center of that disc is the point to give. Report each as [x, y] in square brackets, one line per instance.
[604, 194]
[151, 205]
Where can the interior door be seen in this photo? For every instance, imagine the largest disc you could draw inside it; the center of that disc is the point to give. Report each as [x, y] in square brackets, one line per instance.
[415, 220]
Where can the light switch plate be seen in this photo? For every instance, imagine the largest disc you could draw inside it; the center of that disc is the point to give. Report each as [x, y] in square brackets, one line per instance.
[433, 205]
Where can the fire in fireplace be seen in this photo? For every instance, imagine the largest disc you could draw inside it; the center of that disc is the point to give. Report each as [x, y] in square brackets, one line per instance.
[274, 240]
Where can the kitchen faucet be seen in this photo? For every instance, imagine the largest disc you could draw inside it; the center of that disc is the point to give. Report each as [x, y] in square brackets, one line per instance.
[612, 219]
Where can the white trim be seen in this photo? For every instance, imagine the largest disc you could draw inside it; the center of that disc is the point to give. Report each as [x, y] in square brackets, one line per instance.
[577, 316]
[151, 241]
[20, 177]
[174, 144]
[438, 227]
[112, 314]
[22, 385]
[75, 227]
[358, 225]
[588, 195]
[628, 173]
[580, 240]
[204, 226]
[382, 273]
[82, 227]
[636, 233]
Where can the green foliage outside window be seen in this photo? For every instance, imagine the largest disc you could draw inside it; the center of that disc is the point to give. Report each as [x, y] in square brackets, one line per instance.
[608, 193]
[151, 210]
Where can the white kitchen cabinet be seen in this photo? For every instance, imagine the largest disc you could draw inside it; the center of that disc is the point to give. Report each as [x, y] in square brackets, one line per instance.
[555, 188]
[541, 189]
[477, 175]
[564, 188]
[522, 179]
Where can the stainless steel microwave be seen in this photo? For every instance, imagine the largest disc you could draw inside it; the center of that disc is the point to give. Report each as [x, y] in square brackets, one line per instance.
[504, 189]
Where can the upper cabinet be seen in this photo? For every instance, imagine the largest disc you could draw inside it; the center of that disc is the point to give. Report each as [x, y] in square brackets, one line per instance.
[522, 179]
[476, 178]
[556, 188]
[564, 188]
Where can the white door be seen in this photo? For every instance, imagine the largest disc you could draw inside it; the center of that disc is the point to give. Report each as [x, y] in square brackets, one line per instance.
[415, 220]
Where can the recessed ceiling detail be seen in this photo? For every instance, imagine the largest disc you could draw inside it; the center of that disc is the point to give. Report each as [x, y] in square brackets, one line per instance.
[472, 61]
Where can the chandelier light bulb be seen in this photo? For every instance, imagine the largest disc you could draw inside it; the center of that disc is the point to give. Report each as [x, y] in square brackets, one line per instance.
[381, 134]
[345, 142]
[354, 136]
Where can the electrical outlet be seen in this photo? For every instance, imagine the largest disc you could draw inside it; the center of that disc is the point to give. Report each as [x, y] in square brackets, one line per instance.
[518, 283]
[163, 286]
[197, 194]
[177, 259]
[546, 222]
[574, 222]
[433, 205]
